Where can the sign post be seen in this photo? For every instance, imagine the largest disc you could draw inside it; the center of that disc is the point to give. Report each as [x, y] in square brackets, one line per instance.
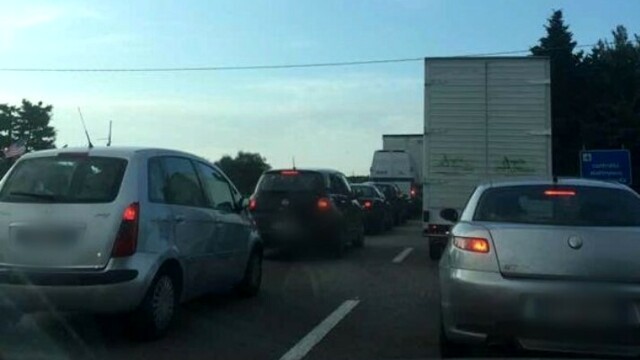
[608, 165]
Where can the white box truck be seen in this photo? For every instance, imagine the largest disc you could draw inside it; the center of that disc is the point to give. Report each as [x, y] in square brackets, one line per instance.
[485, 118]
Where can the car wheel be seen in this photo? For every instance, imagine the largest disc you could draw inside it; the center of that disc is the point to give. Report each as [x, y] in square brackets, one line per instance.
[359, 241]
[156, 312]
[250, 284]
[435, 251]
[339, 244]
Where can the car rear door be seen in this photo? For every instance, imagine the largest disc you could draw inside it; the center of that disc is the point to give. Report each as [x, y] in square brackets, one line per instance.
[232, 245]
[196, 231]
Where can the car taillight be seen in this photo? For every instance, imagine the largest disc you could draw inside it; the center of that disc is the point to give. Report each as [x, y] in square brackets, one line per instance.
[473, 244]
[367, 204]
[323, 204]
[558, 192]
[253, 204]
[127, 238]
[412, 192]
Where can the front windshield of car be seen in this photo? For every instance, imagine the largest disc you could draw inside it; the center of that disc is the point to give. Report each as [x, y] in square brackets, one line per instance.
[293, 179]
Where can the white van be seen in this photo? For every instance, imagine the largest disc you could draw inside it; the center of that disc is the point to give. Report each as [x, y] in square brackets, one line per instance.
[394, 166]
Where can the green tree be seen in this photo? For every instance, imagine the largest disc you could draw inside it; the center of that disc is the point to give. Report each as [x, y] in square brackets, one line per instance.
[566, 92]
[28, 122]
[612, 116]
[244, 170]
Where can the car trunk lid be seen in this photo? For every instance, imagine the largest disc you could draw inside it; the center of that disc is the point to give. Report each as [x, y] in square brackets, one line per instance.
[599, 254]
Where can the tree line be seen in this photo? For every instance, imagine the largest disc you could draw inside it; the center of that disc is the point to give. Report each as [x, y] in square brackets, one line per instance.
[595, 95]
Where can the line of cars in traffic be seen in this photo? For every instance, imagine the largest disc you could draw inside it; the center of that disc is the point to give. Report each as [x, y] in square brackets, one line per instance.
[139, 230]
[296, 208]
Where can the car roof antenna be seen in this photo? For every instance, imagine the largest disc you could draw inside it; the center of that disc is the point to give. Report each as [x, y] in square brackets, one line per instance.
[293, 161]
[109, 137]
[86, 133]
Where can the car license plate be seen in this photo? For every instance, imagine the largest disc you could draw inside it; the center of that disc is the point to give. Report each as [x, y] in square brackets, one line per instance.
[283, 226]
[583, 312]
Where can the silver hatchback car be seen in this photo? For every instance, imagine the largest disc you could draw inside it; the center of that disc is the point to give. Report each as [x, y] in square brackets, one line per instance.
[122, 230]
[549, 265]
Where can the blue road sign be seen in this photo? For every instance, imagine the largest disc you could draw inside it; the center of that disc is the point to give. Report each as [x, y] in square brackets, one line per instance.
[610, 165]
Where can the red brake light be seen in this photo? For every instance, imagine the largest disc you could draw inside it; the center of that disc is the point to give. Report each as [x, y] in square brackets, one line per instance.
[127, 238]
[130, 213]
[367, 204]
[559, 192]
[253, 204]
[324, 204]
[289, 172]
[479, 245]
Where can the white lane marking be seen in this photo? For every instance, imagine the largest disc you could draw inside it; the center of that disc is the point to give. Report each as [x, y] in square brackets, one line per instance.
[398, 259]
[319, 332]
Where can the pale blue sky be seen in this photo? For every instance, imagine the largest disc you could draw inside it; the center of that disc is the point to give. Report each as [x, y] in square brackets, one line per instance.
[329, 117]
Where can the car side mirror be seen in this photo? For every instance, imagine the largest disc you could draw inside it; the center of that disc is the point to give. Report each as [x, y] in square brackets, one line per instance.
[449, 215]
[243, 203]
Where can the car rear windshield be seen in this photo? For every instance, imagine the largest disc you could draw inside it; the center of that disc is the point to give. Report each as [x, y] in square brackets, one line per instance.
[291, 181]
[559, 205]
[364, 191]
[58, 179]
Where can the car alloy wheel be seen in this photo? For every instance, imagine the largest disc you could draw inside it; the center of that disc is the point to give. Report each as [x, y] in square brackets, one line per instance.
[163, 302]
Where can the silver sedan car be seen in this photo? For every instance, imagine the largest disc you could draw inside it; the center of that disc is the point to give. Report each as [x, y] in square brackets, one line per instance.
[547, 265]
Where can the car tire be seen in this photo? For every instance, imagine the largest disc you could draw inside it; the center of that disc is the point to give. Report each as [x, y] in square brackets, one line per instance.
[435, 251]
[339, 244]
[154, 315]
[252, 279]
[359, 241]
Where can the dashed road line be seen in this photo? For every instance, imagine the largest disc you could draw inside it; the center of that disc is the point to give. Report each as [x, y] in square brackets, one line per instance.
[299, 350]
[403, 255]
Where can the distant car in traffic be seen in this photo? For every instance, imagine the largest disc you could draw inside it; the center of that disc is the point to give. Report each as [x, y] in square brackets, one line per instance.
[122, 230]
[551, 265]
[296, 208]
[398, 201]
[378, 214]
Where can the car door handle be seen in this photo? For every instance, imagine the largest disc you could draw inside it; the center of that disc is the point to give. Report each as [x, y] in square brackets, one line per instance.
[179, 218]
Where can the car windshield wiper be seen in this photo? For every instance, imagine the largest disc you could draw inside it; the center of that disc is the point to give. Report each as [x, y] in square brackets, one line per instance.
[47, 197]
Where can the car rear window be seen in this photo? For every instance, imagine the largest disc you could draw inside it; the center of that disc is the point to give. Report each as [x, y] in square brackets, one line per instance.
[82, 179]
[560, 205]
[364, 191]
[292, 181]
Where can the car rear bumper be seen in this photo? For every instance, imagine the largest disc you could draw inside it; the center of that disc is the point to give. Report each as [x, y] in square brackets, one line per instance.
[300, 232]
[119, 287]
[484, 307]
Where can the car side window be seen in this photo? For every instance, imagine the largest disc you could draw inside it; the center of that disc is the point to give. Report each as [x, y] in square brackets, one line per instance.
[156, 181]
[182, 186]
[338, 186]
[345, 184]
[218, 190]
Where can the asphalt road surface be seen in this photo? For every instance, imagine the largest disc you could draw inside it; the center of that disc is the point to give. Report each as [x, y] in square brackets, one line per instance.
[379, 302]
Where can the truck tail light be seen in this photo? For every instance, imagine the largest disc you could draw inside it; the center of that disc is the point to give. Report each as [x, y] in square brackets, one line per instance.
[127, 237]
[473, 244]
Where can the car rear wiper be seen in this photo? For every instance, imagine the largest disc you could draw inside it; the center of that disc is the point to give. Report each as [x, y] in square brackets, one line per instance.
[47, 197]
